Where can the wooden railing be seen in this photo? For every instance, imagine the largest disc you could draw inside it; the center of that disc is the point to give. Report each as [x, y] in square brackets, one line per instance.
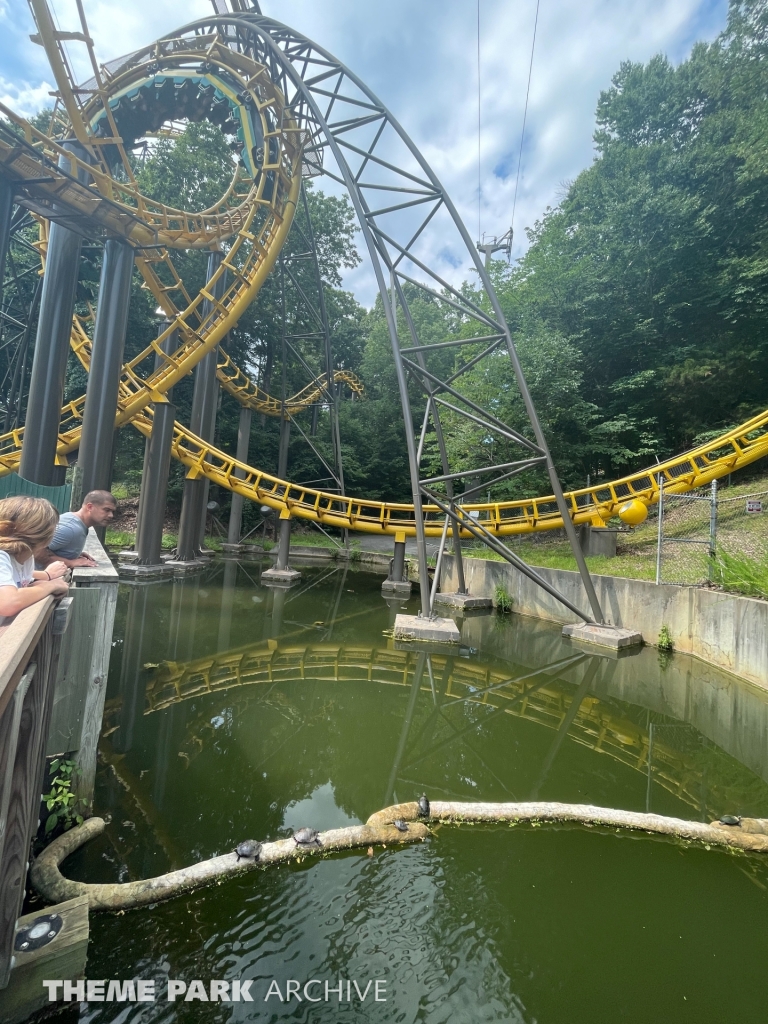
[53, 674]
[30, 643]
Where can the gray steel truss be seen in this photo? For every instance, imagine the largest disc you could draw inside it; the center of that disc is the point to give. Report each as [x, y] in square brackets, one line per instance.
[408, 222]
[309, 322]
[415, 240]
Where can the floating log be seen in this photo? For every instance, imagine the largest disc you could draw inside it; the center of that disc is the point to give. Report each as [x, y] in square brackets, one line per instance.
[52, 885]
[750, 835]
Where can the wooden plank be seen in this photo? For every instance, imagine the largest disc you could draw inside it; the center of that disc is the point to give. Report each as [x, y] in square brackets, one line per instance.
[103, 572]
[97, 690]
[18, 638]
[63, 957]
[24, 799]
[36, 790]
[9, 737]
[73, 678]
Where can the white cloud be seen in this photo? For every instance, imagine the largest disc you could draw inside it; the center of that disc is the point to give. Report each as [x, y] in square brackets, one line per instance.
[23, 98]
[420, 58]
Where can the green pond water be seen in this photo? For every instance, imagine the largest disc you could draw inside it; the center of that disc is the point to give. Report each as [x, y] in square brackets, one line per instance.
[235, 711]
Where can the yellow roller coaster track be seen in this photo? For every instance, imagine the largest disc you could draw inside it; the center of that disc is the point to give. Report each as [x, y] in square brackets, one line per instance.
[260, 233]
[229, 375]
[695, 468]
[256, 215]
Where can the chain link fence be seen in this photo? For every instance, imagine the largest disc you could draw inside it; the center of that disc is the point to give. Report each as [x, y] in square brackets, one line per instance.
[706, 537]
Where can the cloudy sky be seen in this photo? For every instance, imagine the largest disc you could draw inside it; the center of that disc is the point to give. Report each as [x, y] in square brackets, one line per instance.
[420, 58]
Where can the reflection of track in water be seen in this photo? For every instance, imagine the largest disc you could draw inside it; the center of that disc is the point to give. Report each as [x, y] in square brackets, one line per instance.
[672, 754]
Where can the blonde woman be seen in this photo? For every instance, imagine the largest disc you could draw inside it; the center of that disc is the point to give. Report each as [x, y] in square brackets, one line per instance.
[26, 527]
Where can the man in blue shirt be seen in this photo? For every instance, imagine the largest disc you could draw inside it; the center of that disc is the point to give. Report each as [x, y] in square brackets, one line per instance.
[98, 509]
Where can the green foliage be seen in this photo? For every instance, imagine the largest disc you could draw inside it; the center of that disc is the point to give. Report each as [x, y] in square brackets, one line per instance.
[665, 641]
[653, 266]
[63, 806]
[191, 171]
[502, 600]
[121, 491]
[742, 575]
[118, 539]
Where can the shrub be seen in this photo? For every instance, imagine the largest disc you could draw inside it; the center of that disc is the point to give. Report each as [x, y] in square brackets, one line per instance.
[502, 600]
[665, 642]
[63, 806]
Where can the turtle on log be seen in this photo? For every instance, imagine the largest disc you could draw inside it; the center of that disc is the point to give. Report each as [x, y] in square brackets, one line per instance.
[423, 806]
[249, 849]
[400, 825]
[730, 819]
[306, 837]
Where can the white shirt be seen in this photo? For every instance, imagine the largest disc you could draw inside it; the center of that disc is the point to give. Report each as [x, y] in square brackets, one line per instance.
[13, 574]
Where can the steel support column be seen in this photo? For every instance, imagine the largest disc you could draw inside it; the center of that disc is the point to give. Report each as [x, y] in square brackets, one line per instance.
[236, 508]
[6, 209]
[282, 456]
[202, 422]
[284, 540]
[189, 522]
[398, 562]
[169, 345]
[154, 485]
[49, 366]
[95, 457]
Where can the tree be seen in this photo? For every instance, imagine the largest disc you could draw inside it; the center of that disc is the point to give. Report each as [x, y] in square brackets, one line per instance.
[654, 264]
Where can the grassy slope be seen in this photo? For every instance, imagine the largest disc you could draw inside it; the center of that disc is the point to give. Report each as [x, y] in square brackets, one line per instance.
[636, 557]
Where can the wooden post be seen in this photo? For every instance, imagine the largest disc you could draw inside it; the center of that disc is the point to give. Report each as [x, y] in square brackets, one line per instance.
[30, 645]
[81, 684]
[62, 957]
[23, 781]
[74, 665]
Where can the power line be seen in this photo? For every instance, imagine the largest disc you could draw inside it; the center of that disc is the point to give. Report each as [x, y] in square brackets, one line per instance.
[525, 112]
[479, 178]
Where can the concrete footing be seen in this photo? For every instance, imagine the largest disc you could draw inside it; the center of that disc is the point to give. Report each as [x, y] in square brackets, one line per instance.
[233, 549]
[186, 568]
[281, 577]
[462, 602]
[132, 570]
[414, 627]
[401, 588]
[598, 540]
[614, 637]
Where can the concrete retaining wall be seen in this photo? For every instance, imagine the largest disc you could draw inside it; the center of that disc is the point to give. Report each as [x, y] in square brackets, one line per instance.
[731, 713]
[722, 629]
